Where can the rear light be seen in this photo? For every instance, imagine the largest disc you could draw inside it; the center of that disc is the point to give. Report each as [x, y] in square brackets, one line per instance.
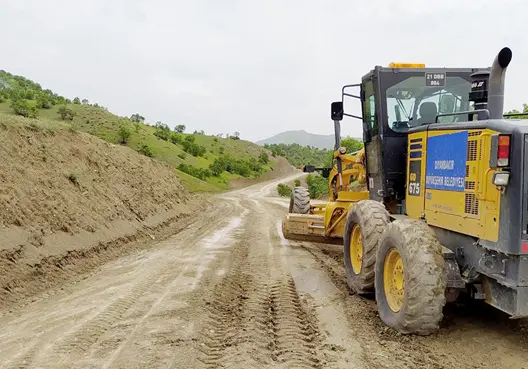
[503, 151]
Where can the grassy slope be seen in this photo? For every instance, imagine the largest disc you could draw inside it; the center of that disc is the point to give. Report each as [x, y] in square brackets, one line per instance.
[105, 125]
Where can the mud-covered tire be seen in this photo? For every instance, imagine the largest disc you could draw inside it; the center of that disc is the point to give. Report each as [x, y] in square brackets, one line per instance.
[300, 201]
[372, 218]
[424, 278]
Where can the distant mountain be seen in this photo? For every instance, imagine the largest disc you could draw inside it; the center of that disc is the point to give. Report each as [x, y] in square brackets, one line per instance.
[302, 138]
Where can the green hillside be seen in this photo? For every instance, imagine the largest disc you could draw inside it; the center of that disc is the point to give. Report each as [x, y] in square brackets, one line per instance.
[203, 163]
[299, 155]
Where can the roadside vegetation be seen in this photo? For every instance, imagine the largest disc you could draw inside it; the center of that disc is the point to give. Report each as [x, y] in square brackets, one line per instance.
[284, 190]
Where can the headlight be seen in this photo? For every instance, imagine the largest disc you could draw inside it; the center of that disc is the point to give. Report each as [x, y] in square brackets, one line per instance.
[501, 178]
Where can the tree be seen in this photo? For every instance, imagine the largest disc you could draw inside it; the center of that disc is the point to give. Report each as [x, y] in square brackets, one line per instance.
[162, 131]
[180, 128]
[77, 101]
[85, 101]
[123, 134]
[351, 144]
[43, 101]
[515, 111]
[137, 118]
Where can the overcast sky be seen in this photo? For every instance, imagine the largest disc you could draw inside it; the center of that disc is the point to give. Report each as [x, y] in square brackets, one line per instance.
[259, 67]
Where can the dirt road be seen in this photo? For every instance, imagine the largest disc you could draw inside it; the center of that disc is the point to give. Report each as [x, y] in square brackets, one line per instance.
[229, 291]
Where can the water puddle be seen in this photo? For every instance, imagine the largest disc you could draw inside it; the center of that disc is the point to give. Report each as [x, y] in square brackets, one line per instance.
[284, 241]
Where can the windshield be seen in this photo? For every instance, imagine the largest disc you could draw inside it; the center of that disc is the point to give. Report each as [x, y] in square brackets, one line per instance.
[411, 103]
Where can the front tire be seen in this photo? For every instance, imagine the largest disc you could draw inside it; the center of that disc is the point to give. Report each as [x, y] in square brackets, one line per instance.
[410, 278]
[300, 201]
[366, 221]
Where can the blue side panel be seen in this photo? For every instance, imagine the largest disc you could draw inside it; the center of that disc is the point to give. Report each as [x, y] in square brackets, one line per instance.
[446, 162]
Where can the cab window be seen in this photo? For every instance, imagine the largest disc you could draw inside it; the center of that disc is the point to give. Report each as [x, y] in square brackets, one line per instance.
[369, 108]
[411, 103]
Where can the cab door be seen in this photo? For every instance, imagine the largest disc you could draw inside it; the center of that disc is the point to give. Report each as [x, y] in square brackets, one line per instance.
[372, 139]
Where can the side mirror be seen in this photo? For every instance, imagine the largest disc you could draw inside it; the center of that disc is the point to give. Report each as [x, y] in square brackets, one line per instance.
[308, 169]
[337, 111]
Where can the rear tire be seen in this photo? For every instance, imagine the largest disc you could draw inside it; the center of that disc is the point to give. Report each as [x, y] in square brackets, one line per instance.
[366, 220]
[300, 201]
[410, 278]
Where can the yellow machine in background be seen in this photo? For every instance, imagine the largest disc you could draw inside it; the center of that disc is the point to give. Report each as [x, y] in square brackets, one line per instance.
[346, 184]
[445, 210]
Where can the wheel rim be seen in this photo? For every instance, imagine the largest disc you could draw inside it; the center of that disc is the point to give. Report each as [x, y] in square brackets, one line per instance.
[356, 250]
[393, 280]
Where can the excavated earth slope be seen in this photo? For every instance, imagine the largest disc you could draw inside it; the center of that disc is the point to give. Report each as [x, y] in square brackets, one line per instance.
[69, 201]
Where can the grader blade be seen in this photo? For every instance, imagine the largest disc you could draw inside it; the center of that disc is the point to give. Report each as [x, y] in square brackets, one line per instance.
[306, 227]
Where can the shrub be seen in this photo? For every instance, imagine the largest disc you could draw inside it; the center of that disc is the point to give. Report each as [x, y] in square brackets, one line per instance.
[235, 166]
[317, 186]
[264, 158]
[24, 108]
[297, 182]
[176, 138]
[182, 155]
[65, 113]
[192, 148]
[284, 190]
[123, 134]
[145, 150]
[73, 178]
[199, 173]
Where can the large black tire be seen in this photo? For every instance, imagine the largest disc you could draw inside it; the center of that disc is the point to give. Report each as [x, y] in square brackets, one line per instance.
[422, 298]
[300, 201]
[372, 219]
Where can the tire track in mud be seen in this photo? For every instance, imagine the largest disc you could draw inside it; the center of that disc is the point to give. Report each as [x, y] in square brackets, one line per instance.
[265, 321]
[254, 316]
[294, 333]
[225, 311]
[82, 337]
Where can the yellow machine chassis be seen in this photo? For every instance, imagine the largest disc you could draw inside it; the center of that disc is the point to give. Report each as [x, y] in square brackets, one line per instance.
[325, 223]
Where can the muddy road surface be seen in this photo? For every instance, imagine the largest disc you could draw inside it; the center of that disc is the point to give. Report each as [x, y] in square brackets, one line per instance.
[229, 291]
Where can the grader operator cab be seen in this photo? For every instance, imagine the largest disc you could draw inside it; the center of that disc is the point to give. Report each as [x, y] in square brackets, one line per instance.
[445, 208]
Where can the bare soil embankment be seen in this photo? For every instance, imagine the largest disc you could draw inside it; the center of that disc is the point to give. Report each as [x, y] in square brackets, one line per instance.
[69, 201]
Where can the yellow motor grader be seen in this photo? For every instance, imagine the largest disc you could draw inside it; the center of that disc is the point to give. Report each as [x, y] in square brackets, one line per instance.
[445, 208]
[346, 181]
